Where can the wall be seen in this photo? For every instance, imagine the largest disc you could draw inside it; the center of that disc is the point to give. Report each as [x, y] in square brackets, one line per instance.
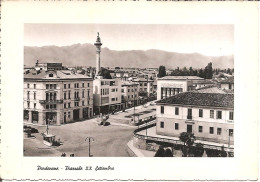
[170, 84]
[169, 118]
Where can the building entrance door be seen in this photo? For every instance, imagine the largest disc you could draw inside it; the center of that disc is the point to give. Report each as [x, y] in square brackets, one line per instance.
[76, 114]
[189, 128]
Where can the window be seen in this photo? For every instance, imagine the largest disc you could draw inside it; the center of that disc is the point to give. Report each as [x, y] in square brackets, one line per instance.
[47, 86]
[88, 93]
[83, 85]
[69, 105]
[28, 85]
[200, 113]
[189, 114]
[34, 86]
[54, 86]
[83, 94]
[218, 131]
[211, 113]
[50, 75]
[162, 109]
[75, 85]
[231, 115]
[116, 98]
[64, 86]
[76, 104]
[28, 95]
[219, 114]
[47, 106]
[230, 131]
[34, 105]
[176, 126]
[211, 130]
[69, 95]
[176, 111]
[122, 90]
[68, 85]
[34, 95]
[28, 104]
[162, 124]
[145, 84]
[88, 84]
[128, 90]
[113, 99]
[65, 105]
[83, 103]
[69, 115]
[141, 84]
[64, 95]
[113, 90]
[200, 129]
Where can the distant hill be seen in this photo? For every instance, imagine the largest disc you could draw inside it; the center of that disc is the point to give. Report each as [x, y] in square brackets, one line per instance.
[85, 55]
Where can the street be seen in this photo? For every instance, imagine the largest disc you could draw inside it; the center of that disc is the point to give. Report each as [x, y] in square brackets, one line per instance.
[109, 141]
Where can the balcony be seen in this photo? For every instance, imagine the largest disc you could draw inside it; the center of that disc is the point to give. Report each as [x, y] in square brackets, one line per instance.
[51, 101]
[77, 99]
[189, 117]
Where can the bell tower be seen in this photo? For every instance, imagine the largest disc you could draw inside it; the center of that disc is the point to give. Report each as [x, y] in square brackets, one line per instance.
[98, 45]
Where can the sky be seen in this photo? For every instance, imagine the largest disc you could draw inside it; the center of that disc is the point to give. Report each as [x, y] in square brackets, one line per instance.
[209, 40]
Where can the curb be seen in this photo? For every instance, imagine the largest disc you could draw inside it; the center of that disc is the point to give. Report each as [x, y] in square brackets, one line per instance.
[134, 150]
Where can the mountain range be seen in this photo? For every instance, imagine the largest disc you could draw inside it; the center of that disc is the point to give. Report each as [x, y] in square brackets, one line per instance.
[85, 55]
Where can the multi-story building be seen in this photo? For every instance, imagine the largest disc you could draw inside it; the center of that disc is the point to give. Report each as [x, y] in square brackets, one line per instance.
[171, 85]
[57, 97]
[210, 116]
[107, 95]
[227, 83]
[129, 91]
[48, 66]
[145, 85]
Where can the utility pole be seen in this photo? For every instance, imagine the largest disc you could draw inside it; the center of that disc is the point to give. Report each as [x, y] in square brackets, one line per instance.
[89, 140]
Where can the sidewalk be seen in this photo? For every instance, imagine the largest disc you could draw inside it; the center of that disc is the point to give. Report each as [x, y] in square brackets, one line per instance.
[152, 133]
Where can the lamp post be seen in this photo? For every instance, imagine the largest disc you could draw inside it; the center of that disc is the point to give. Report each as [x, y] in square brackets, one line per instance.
[89, 140]
[134, 104]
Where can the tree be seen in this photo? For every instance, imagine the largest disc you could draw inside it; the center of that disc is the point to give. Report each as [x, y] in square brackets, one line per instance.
[197, 150]
[105, 73]
[160, 152]
[208, 71]
[201, 73]
[162, 72]
[188, 140]
[168, 153]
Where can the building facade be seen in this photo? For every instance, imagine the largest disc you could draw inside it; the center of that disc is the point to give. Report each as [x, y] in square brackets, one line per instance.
[57, 97]
[210, 116]
[107, 95]
[129, 91]
[145, 85]
[171, 85]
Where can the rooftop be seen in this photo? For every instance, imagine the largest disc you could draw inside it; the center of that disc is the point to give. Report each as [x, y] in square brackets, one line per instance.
[128, 83]
[210, 89]
[58, 74]
[227, 80]
[181, 78]
[200, 99]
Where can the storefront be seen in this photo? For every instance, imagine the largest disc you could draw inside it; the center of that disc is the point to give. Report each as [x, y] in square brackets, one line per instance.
[51, 118]
[26, 115]
[85, 113]
[35, 117]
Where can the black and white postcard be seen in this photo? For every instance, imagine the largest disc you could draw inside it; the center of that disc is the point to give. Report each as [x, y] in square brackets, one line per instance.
[112, 90]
